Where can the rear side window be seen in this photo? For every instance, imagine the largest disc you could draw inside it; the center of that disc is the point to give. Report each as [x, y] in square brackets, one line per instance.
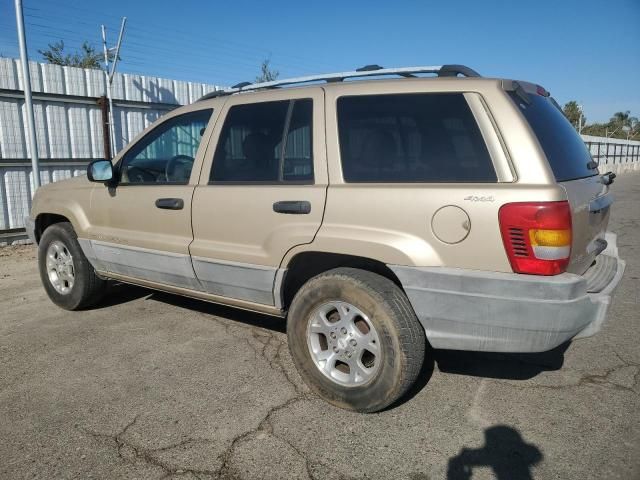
[267, 142]
[565, 151]
[411, 138]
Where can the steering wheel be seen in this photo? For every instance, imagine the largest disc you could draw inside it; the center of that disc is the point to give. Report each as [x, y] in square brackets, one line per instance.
[178, 160]
[140, 175]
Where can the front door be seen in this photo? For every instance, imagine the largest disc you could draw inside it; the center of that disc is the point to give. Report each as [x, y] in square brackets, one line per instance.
[141, 228]
[262, 191]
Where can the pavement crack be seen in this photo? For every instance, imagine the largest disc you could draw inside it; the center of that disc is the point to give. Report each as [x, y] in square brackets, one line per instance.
[603, 379]
[265, 426]
[130, 453]
[264, 344]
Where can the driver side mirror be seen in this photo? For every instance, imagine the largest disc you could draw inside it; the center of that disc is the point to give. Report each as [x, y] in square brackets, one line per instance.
[100, 171]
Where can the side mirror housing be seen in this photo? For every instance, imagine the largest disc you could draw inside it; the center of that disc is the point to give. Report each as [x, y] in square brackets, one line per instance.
[100, 171]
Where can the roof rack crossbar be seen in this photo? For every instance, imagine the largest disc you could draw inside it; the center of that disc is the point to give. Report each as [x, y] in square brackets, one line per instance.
[367, 71]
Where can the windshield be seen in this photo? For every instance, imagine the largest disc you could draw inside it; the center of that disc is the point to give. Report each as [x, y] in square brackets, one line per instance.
[565, 151]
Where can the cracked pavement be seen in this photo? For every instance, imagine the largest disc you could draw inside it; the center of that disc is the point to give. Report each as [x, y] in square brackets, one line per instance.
[150, 385]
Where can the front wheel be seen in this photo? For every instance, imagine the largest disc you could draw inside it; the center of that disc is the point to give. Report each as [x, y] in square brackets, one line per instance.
[355, 339]
[68, 278]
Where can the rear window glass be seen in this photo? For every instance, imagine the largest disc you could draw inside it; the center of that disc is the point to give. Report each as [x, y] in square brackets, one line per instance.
[566, 153]
[411, 138]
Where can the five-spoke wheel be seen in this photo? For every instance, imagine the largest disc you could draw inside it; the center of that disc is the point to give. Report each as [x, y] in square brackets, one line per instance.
[355, 339]
[60, 267]
[344, 343]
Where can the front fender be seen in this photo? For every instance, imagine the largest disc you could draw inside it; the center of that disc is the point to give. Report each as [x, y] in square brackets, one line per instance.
[72, 203]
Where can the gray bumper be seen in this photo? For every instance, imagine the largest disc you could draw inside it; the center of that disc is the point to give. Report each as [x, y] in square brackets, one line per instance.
[506, 312]
[30, 226]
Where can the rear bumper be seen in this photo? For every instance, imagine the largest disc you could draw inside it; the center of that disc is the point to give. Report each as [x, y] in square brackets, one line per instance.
[507, 312]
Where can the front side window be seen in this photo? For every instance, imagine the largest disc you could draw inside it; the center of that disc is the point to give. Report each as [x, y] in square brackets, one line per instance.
[166, 154]
[403, 138]
[266, 142]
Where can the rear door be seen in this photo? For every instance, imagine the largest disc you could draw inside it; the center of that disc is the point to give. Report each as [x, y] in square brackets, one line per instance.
[576, 172]
[262, 191]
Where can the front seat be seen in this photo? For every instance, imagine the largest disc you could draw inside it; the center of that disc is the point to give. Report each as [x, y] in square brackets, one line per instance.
[259, 154]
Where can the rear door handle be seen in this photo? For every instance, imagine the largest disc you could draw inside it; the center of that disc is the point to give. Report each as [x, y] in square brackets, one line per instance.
[292, 207]
[170, 203]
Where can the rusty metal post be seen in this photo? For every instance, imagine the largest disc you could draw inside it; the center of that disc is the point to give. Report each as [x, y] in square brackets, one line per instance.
[106, 131]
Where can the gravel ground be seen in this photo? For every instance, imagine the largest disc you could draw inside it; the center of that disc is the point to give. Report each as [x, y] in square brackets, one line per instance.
[150, 385]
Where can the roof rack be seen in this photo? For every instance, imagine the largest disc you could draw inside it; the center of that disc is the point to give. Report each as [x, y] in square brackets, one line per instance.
[366, 71]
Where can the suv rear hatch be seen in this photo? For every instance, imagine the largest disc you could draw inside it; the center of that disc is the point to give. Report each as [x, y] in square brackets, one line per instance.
[574, 170]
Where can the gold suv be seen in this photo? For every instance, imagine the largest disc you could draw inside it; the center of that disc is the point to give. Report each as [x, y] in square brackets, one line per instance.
[374, 215]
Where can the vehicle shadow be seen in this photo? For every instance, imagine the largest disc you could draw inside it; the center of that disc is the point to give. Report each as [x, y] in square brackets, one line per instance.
[253, 319]
[504, 451]
[119, 293]
[508, 366]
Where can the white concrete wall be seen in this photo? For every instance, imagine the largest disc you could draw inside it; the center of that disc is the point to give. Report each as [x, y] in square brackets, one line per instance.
[614, 154]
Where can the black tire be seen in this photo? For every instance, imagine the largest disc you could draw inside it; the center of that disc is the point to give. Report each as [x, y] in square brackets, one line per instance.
[401, 335]
[87, 287]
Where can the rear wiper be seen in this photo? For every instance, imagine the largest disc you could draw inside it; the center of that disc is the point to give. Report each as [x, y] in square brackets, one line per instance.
[607, 178]
[592, 165]
[521, 93]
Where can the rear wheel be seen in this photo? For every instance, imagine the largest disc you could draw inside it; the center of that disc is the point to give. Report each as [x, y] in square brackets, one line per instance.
[355, 339]
[68, 278]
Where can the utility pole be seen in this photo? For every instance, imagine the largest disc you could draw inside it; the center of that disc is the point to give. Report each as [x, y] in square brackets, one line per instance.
[109, 73]
[26, 85]
[580, 119]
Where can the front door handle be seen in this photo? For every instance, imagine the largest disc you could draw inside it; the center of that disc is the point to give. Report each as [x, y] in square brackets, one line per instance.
[292, 207]
[170, 203]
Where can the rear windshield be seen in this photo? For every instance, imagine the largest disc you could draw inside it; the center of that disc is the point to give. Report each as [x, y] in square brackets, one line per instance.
[566, 152]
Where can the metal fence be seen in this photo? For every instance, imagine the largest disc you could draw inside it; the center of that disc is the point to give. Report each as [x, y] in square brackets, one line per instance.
[613, 153]
[69, 127]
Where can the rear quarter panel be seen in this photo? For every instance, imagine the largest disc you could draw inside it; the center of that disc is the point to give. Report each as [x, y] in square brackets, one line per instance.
[392, 222]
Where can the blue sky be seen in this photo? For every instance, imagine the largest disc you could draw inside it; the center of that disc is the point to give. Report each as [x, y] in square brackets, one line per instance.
[583, 50]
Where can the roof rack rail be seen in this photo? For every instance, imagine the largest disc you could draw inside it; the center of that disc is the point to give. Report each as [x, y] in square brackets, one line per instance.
[366, 71]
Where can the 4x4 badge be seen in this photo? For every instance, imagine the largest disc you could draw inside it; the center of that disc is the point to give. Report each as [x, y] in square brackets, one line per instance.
[476, 198]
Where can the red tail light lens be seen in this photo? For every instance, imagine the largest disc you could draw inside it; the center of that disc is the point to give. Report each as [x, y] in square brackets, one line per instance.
[537, 236]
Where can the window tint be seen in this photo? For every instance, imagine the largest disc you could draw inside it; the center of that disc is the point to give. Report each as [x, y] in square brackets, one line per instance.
[411, 138]
[566, 153]
[266, 142]
[167, 153]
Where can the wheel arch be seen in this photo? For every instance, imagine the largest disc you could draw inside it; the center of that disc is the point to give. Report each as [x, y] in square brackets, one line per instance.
[45, 220]
[307, 264]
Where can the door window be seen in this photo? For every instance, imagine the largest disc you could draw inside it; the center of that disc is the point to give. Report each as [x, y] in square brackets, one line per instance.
[166, 154]
[268, 142]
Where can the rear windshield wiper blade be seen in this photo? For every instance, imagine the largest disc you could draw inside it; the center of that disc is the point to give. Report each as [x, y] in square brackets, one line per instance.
[521, 93]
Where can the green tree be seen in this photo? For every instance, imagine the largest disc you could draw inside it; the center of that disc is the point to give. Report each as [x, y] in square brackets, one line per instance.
[87, 57]
[267, 74]
[573, 113]
[623, 119]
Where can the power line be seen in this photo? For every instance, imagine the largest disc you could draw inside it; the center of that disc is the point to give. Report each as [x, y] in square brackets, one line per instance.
[190, 37]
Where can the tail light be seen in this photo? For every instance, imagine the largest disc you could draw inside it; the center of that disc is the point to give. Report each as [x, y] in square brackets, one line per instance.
[537, 236]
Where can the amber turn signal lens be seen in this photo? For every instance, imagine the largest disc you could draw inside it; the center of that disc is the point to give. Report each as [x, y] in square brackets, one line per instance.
[549, 238]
